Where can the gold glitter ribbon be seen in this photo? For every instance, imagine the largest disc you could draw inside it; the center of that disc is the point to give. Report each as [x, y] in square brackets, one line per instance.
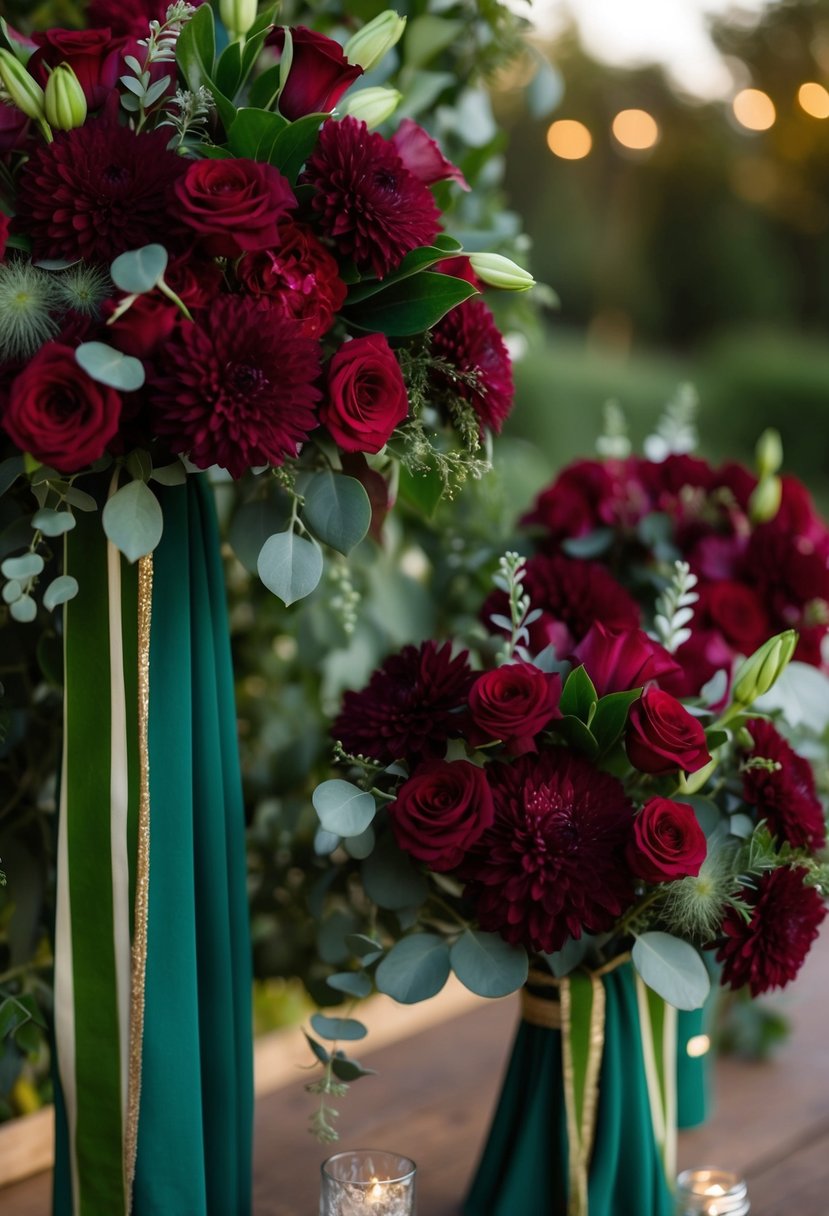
[142, 877]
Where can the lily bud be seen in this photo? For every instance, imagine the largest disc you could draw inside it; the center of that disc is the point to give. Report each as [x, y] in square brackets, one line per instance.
[769, 452]
[497, 271]
[24, 92]
[372, 106]
[759, 672]
[367, 47]
[765, 499]
[237, 16]
[64, 100]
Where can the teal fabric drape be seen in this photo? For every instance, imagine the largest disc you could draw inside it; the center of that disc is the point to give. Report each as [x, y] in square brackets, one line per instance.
[693, 1072]
[524, 1164]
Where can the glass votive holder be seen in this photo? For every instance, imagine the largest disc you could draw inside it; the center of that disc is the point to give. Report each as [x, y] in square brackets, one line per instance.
[367, 1182]
[711, 1192]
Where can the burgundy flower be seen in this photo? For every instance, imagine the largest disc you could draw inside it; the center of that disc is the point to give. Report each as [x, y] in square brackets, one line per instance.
[366, 200]
[571, 595]
[662, 736]
[700, 658]
[791, 577]
[235, 205]
[553, 863]
[319, 75]
[769, 950]
[513, 704]
[618, 660]
[128, 18]
[196, 281]
[366, 397]
[300, 279]
[89, 53]
[469, 340]
[409, 708]
[144, 326]
[785, 797]
[98, 191]
[441, 811]
[737, 611]
[4, 234]
[14, 126]
[576, 503]
[60, 415]
[422, 156]
[668, 842]
[237, 388]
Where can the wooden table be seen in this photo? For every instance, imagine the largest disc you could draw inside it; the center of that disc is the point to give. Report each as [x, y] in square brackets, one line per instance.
[434, 1093]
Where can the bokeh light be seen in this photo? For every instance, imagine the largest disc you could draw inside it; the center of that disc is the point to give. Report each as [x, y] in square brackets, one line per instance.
[635, 129]
[569, 139]
[754, 110]
[814, 99]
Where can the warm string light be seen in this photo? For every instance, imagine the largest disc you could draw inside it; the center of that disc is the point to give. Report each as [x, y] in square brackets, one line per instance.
[754, 110]
[814, 99]
[636, 130]
[569, 140]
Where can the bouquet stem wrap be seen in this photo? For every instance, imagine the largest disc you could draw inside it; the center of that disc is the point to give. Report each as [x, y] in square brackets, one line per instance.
[586, 1118]
[153, 977]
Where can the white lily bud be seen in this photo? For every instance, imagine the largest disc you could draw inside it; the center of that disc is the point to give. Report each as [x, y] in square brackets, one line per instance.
[497, 271]
[23, 89]
[64, 100]
[372, 106]
[769, 452]
[367, 47]
[237, 16]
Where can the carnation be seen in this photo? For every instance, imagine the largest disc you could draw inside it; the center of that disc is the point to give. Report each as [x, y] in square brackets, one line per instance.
[410, 706]
[468, 340]
[237, 388]
[552, 865]
[768, 950]
[366, 200]
[782, 792]
[300, 279]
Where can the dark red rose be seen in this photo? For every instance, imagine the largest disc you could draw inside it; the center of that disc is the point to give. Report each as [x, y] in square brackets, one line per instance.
[768, 950]
[236, 205]
[668, 842]
[319, 75]
[89, 54]
[300, 279]
[14, 126]
[422, 156]
[145, 324]
[737, 611]
[196, 281]
[468, 339]
[411, 706]
[552, 865]
[618, 660]
[60, 415]
[785, 796]
[513, 703]
[366, 394]
[441, 811]
[4, 234]
[662, 735]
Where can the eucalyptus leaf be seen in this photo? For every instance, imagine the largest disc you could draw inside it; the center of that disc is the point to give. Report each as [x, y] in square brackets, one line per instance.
[108, 366]
[254, 522]
[133, 520]
[361, 846]
[24, 609]
[325, 842]
[60, 591]
[365, 948]
[415, 969]
[28, 565]
[290, 566]
[337, 510]
[53, 523]
[390, 879]
[343, 808]
[80, 500]
[348, 1030]
[319, 1051]
[10, 470]
[593, 544]
[487, 965]
[354, 983]
[672, 968]
[173, 474]
[348, 1070]
[139, 270]
[12, 591]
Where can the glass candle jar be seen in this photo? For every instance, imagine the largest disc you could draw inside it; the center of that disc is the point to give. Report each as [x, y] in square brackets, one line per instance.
[368, 1183]
[711, 1192]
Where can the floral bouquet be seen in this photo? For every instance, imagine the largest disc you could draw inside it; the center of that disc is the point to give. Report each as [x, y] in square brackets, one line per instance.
[583, 810]
[210, 258]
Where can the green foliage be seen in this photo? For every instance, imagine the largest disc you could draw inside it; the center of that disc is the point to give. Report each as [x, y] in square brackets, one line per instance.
[108, 366]
[290, 566]
[672, 968]
[487, 965]
[343, 809]
[132, 520]
[139, 270]
[337, 510]
[415, 969]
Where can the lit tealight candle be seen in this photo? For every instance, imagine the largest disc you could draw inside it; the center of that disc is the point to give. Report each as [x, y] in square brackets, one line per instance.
[368, 1183]
[711, 1192]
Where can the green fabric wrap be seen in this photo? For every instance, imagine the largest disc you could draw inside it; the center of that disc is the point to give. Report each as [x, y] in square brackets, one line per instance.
[693, 1073]
[524, 1164]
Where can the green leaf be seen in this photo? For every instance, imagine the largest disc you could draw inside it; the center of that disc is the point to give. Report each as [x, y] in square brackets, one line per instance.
[173, 474]
[415, 969]
[28, 565]
[365, 948]
[290, 566]
[295, 145]
[348, 1030]
[390, 879]
[355, 983]
[140, 464]
[673, 969]
[610, 717]
[487, 965]
[255, 40]
[418, 259]
[229, 69]
[421, 490]
[196, 48]
[23, 609]
[579, 696]
[108, 366]
[53, 523]
[139, 270]
[577, 735]
[349, 1070]
[254, 133]
[592, 545]
[343, 808]
[361, 846]
[79, 499]
[410, 307]
[707, 812]
[132, 520]
[571, 955]
[319, 1051]
[254, 522]
[427, 36]
[60, 591]
[12, 591]
[265, 89]
[10, 470]
[337, 509]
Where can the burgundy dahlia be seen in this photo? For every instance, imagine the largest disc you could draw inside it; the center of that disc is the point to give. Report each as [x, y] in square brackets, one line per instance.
[237, 388]
[785, 797]
[98, 191]
[366, 200]
[552, 865]
[469, 340]
[299, 278]
[768, 950]
[409, 708]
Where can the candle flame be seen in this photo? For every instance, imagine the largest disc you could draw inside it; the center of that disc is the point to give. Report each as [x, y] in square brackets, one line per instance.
[376, 1191]
[716, 1189]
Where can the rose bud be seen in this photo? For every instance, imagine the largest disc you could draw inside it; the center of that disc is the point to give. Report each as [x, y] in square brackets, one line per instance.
[668, 842]
[372, 106]
[368, 46]
[514, 703]
[24, 92]
[497, 271]
[237, 16]
[759, 672]
[662, 735]
[441, 811]
[64, 99]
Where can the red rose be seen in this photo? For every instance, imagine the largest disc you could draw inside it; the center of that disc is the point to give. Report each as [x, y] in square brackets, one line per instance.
[737, 611]
[89, 54]
[620, 659]
[319, 75]
[441, 811]
[366, 394]
[513, 703]
[5, 224]
[667, 842]
[422, 156]
[144, 325]
[662, 735]
[234, 205]
[300, 279]
[60, 415]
